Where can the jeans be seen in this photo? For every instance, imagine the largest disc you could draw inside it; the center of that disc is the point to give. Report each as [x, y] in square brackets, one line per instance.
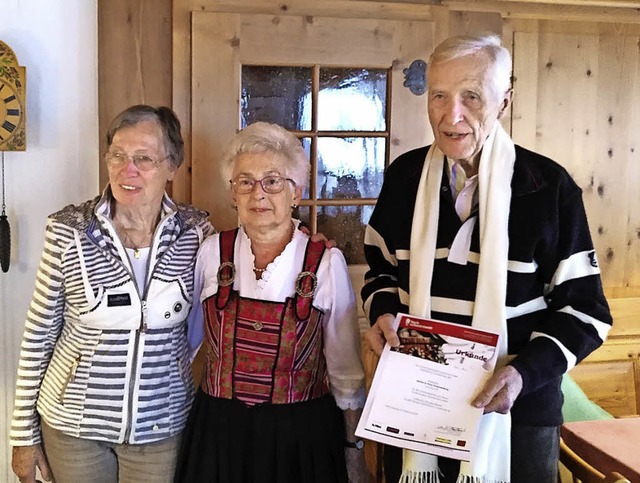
[534, 454]
[74, 460]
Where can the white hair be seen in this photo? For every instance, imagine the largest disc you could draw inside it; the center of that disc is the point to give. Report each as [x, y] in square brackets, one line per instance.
[488, 43]
[262, 137]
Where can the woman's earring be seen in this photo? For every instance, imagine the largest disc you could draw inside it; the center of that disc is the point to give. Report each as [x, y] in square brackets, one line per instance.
[294, 206]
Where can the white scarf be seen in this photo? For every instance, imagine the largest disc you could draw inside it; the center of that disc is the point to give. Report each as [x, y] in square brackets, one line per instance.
[491, 460]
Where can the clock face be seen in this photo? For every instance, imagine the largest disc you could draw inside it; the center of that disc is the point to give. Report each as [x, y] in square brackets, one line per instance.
[11, 114]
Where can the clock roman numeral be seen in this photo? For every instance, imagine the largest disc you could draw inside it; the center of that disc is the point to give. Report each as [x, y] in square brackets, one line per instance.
[8, 126]
[13, 112]
[9, 99]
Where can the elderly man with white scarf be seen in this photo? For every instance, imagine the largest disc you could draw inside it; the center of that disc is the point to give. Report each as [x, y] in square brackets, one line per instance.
[478, 231]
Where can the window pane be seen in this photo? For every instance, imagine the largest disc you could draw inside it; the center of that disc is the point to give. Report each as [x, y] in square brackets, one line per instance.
[345, 225]
[303, 213]
[306, 144]
[276, 94]
[352, 99]
[350, 167]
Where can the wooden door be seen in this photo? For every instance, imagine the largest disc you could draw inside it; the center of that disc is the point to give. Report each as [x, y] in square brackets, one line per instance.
[224, 45]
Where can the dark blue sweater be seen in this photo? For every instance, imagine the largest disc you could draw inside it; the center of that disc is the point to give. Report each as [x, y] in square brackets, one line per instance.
[556, 310]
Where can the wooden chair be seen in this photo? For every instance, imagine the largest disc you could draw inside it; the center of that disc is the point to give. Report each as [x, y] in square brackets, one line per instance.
[583, 472]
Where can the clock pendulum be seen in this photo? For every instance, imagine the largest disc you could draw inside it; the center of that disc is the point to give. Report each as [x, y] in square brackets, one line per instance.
[5, 230]
[13, 133]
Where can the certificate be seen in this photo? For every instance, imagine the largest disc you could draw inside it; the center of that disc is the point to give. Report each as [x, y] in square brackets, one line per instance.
[421, 394]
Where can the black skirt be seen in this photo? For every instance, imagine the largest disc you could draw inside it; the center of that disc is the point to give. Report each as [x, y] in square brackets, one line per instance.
[226, 441]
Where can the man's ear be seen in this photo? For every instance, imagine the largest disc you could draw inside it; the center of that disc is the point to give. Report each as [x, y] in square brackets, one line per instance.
[504, 104]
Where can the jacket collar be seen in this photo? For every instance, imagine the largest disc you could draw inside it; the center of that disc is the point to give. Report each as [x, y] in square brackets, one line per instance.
[103, 235]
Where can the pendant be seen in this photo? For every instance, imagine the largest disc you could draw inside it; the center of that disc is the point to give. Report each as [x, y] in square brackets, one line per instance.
[136, 253]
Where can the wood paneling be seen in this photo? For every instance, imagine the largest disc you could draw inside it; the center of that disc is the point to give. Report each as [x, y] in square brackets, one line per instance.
[134, 58]
[577, 87]
[577, 100]
[611, 385]
[576, 94]
[610, 11]
[610, 376]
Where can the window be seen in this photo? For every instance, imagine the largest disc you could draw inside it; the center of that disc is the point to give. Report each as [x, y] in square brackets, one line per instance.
[341, 116]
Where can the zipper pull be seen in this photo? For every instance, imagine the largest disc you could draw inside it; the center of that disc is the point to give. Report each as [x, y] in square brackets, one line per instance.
[74, 368]
[71, 378]
[143, 325]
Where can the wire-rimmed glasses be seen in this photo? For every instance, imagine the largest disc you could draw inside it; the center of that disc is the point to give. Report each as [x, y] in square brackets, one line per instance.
[272, 184]
[144, 162]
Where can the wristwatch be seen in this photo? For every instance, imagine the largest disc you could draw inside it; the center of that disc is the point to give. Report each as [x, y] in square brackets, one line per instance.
[357, 444]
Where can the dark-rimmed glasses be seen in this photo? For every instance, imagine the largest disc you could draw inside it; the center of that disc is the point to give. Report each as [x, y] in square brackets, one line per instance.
[273, 184]
[144, 162]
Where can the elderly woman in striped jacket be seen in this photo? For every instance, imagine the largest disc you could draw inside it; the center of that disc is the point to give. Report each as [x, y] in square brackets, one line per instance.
[104, 382]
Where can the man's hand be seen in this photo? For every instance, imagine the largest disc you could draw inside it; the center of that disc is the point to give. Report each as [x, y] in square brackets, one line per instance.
[500, 391]
[381, 332]
[24, 461]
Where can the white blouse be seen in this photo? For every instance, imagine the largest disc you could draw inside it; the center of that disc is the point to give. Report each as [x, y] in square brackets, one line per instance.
[334, 296]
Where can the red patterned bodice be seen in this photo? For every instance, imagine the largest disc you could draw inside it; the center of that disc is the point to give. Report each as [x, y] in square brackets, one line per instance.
[261, 351]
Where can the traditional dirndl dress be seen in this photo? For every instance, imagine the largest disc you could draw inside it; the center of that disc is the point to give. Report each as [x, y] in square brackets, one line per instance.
[264, 412]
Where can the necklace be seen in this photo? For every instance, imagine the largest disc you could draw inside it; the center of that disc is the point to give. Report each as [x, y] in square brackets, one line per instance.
[258, 272]
[139, 228]
[136, 250]
[129, 243]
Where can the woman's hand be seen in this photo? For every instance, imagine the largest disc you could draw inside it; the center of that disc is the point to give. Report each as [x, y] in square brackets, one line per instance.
[356, 466]
[24, 461]
[318, 237]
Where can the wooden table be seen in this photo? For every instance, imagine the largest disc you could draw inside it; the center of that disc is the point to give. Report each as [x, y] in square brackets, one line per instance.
[609, 444]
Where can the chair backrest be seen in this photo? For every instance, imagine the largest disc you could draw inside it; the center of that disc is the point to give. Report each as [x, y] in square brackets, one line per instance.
[583, 472]
[616, 477]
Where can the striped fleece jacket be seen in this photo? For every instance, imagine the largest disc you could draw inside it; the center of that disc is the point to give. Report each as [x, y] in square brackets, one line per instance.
[99, 360]
[556, 310]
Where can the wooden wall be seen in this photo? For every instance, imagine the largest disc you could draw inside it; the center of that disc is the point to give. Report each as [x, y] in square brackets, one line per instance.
[577, 101]
[577, 88]
[134, 58]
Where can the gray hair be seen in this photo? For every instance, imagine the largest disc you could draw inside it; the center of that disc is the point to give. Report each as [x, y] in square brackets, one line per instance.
[166, 120]
[489, 43]
[262, 137]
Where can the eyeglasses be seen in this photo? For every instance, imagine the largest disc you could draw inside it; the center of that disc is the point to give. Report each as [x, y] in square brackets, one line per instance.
[143, 162]
[270, 184]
